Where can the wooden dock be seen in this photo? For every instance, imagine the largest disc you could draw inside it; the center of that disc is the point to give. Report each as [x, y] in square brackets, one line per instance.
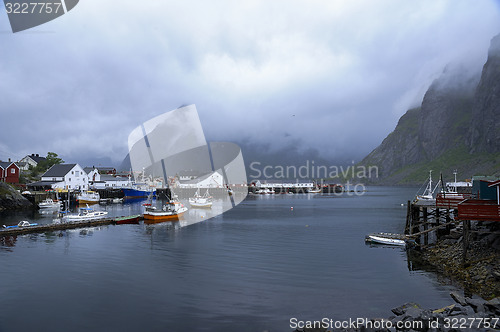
[439, 219]
[56, 227]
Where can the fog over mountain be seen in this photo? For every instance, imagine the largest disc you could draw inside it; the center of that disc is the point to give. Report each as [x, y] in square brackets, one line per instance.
[455, 128]
[295, 79]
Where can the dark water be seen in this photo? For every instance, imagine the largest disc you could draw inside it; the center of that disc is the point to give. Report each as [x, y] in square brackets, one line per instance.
[251, 269]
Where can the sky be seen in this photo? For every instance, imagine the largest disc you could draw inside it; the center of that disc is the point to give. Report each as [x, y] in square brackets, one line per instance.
[330, 75]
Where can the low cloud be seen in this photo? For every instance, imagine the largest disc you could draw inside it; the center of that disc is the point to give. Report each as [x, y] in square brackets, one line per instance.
[332, 75]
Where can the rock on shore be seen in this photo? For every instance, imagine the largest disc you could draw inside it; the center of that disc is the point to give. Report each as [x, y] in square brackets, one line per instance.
[467, 313]
[10, 199]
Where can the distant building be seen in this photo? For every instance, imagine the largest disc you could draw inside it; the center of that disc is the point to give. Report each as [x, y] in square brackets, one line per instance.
[110, 182]
[210, 180]
[9, 172]
[187, 175]
[62, 176]
[30, 160]
[102, 170]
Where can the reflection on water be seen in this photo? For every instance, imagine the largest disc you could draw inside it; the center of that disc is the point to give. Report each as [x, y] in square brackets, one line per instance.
[250, 269]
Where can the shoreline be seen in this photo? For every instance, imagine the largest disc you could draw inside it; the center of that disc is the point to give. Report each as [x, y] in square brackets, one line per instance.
[472, 308]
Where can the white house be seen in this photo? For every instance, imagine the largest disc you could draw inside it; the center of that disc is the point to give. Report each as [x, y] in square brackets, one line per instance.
[63, 176]
[93, 174]
[30, 160]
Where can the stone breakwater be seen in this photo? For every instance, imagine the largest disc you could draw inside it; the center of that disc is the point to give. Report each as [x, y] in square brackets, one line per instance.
[10, 199]
[467, 313]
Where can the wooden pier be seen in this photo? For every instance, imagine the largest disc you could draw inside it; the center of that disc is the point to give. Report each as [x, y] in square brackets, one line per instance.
[56, 227]
[426, 223]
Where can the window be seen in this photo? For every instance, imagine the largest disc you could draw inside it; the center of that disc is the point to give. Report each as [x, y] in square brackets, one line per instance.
[72, 172]
[77, 174]
[12, 171]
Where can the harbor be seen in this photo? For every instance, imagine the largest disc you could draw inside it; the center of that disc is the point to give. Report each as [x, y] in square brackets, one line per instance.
[262, 244]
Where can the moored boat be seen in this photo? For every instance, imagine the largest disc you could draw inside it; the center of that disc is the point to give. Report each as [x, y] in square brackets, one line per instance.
[170, 211]
[22, 223]
[86, 214]
[49, 203]
[314, 190]
[137, 191]
[88, 197]
[386, 238]
[427, 198]
[134, 219]
[198, 201]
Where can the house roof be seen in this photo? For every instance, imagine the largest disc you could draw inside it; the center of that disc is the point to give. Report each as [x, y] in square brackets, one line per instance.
[36, 158]
[42, 183]
[494, 184]
[6, 164]
[105, 177]
[59, 170]
[88, 169]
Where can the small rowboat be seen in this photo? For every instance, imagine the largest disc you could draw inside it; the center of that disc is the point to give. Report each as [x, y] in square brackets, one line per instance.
[386, 238]
[134, 219]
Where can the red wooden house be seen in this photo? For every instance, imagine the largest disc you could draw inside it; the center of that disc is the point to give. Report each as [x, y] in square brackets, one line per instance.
[481, 209]
[9, 172]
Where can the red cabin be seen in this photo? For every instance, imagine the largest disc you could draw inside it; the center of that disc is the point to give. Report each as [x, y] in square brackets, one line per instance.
[481, 209]
[9, 172]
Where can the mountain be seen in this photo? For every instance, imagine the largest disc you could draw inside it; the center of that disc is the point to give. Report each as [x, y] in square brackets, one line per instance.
[457, 126]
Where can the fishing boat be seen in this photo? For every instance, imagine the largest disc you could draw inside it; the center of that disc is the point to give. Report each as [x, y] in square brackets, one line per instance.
[143, 187]
[49, 203]
[138, 191]
[386, 238]
[170, 211]
[88, 197]
[22, 223]
[427, 198]
[198, 201]
[86, 214]
[134, 219]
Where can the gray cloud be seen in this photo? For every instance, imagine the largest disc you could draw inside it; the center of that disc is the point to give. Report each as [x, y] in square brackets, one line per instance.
[332, 75]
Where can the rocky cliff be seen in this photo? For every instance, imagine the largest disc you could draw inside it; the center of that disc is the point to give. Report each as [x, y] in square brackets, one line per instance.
[10, 199]
[485, 124]
[456, 127]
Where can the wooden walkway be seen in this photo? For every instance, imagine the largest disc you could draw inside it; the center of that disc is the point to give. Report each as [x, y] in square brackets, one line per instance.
[56, 227]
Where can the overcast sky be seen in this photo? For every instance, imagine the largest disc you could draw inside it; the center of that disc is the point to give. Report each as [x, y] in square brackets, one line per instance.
[336, 75]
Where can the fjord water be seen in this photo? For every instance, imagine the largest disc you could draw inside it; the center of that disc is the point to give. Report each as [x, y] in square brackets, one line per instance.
[251, 269]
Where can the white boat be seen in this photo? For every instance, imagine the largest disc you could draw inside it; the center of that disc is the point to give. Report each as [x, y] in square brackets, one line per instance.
[88, 197]
[265, 191]
[49, 203]
[117, 200]
[314, 190]
[86, 214]
[198, 201]
[427, 198]
[386, 238]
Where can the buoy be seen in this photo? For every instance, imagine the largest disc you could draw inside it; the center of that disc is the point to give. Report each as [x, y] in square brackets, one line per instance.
[291, 208]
